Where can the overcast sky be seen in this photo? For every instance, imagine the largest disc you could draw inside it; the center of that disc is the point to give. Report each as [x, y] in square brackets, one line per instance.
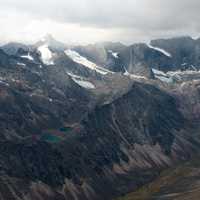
[89, 21]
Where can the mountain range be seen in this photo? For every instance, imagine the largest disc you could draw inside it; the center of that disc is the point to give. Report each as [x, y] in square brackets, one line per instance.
[96, 122]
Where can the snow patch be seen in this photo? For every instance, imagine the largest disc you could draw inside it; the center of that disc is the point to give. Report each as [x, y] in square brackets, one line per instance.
[74, 75]
[193, 67]
[114, 54]
[160, 50]
[158, 72]
[29, 57]
[50, 99]
[161, 76]
[85, 84]
[164, 79]
[183, 64]
[186, 72]
[80, 81]
[46, 55]
[172, 75]
[133, 76]
[4, 83]
[76, 57]
[21, 64]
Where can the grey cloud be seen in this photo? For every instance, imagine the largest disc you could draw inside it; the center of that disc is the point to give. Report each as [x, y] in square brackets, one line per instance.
[115, 13]
[153, 17]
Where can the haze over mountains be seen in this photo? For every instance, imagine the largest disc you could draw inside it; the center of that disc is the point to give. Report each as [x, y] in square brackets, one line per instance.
[95, 122]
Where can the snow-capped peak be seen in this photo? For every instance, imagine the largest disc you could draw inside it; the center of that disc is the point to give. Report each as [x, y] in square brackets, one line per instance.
[50, 41]
[160, 50]
[46, 54]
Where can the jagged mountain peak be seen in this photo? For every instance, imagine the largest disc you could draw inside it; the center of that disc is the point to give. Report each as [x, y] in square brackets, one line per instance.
[51, 42]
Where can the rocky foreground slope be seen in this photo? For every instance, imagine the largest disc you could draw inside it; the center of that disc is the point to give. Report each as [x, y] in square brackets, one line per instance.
[72, 129]
[180, 182]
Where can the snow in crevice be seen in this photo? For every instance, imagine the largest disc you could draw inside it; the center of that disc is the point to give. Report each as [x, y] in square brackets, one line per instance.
[193, 67]
[162, 76]
[160, 50]
[46, 55]
[21, 64]
[179, 72]
[74, 75]
[80, 81]
[3, 81]
[164, 79]
[183, 64]
[28, 56]
[85, 84]
[173, 75]
[114, 54]
[158, 72]
[76, 57]
[190, 66]
[133, 76]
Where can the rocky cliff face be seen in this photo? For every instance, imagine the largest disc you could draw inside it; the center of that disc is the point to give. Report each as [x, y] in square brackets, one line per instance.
[104, 54]
[184, 50]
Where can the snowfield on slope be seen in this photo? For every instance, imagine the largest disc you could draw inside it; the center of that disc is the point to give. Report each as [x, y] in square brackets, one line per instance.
[76, 57]
[46, 55]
